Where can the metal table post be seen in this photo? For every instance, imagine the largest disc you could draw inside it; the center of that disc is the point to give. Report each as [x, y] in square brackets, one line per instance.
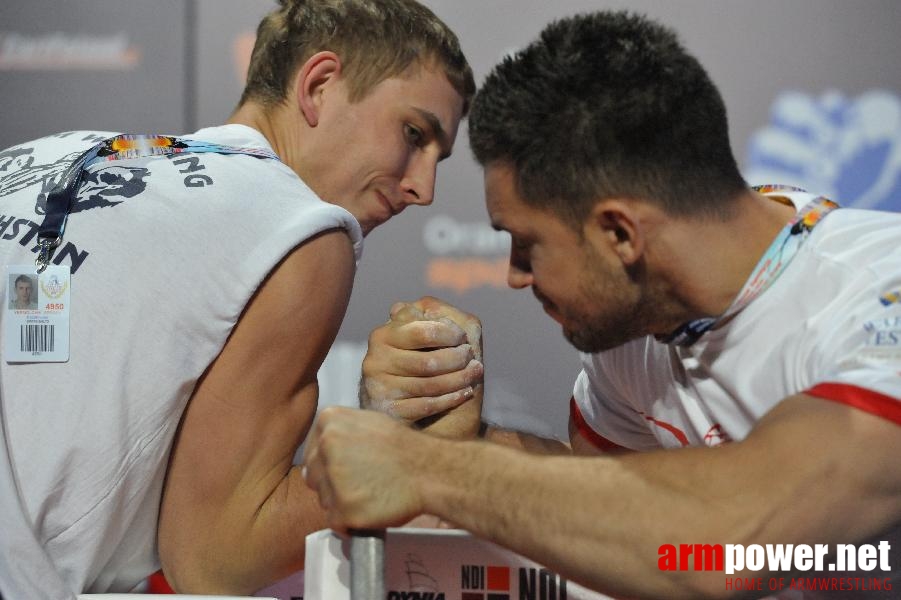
[367, 564]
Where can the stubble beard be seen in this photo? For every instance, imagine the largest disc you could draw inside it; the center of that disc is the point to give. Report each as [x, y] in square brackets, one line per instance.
[617, 308]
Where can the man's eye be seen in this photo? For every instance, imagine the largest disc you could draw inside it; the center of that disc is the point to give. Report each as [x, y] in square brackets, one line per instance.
[413, 134]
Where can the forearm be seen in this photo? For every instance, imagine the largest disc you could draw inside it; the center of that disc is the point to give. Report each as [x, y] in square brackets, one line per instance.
[602, 521]
[595, 521]
[528, 442]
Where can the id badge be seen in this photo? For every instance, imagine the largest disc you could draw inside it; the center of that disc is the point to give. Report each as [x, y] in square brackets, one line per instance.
[37, 314]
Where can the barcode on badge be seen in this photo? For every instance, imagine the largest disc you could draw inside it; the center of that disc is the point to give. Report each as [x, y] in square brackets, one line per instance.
[37, 338]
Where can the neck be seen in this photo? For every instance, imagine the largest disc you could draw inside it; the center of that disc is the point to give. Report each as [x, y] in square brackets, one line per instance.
[702, 280]
[276, 126]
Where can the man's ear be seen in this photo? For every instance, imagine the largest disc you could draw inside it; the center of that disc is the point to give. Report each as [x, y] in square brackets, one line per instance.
[312, 79]
[617, 225]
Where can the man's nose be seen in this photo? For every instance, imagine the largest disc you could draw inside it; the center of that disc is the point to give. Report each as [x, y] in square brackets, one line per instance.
[518, 277]
[418, 185]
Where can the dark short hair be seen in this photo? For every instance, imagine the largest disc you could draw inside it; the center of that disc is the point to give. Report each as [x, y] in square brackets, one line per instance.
[24, 278]
[607, 104]
[375, 39]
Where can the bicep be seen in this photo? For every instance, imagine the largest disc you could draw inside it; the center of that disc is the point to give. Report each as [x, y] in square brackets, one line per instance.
[828, 460]
[255, 403]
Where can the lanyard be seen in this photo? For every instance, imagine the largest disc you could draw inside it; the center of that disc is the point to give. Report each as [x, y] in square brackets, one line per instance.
[120, 147]
[779, 254]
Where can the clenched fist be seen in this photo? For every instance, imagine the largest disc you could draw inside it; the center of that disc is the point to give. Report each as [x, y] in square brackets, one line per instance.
[424, 366]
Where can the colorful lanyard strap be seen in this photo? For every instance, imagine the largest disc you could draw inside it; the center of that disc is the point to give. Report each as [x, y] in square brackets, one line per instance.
[120, 147]
[779, 254]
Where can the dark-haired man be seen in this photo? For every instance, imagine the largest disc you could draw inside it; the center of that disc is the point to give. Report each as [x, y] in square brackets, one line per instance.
[743, 343]
[173, 425]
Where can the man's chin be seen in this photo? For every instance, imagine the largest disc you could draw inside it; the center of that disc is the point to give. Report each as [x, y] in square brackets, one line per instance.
[592, 342]
[580, 342]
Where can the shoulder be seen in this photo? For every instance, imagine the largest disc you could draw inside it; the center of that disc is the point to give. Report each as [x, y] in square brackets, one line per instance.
[288, 325]
[42, 153]
[848, 236]
[307, 291]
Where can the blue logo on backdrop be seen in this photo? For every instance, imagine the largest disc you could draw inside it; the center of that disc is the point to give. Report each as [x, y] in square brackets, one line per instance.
[848, 149]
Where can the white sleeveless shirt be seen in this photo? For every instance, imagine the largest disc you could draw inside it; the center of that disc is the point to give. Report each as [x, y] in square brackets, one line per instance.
[165, 254]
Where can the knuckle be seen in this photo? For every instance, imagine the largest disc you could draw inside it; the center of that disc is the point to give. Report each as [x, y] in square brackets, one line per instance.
[464, 355]
[324, 417]
[326, 442]
[426, 363]
[475, 368]
[396, 308]
[369, 364]
[379, 332]
[429, 332]
[392, 407]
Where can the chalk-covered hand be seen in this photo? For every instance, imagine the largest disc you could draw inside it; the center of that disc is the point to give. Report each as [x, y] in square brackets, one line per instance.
[424, 366]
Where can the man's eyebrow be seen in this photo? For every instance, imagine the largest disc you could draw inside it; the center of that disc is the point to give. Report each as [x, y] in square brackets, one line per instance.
[437, 130]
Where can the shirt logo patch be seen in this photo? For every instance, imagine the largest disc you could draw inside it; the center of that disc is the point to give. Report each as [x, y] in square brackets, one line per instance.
[890, 298]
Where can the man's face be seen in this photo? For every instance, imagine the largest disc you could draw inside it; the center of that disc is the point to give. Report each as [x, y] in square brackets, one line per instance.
[585, 289]
[23, 291]
[376, 156]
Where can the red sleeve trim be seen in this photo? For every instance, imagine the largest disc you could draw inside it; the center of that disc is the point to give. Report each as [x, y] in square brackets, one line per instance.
[866, 400]
[157, 584]
[593, 437]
